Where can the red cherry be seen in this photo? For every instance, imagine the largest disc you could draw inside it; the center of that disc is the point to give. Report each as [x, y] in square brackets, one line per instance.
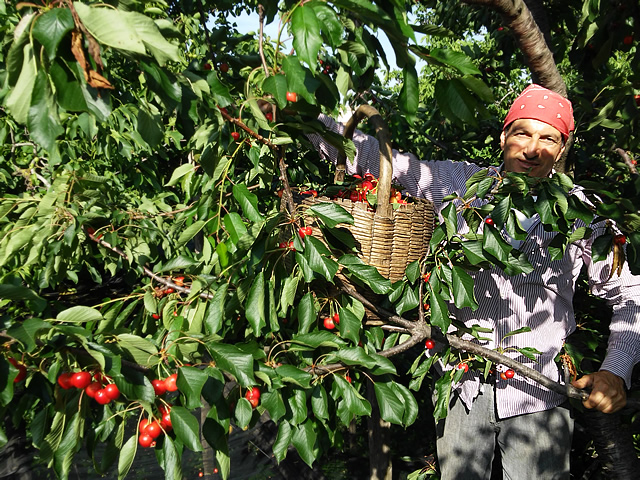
[291, 247]
[146, 441]
[308, 230]
[166, 421]
[628, 40]
[235, 136]
[159, 386]
[156, 316]
[283, 245]
[488, 221]
[426, 277]
[180, 280]
[169, 290]
[224, 67]
[292, 97]
[637, 99]
[64, 380]
[22, 370]
[509, 373]
[253, 395]
[92, 389]
[113, 392]
[302, 232]
[207, 66]
[429, 344]
[620, 239]
[153, 429]
[347, 378]
[329, 324]
[215, 470]
[102, 397]
[142, 426]
[170, 383]
[463, 366]
[269, 116]
[81, 380]
[354, 197]
[336, 318]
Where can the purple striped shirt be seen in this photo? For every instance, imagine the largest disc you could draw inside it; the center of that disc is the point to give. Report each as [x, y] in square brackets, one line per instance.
[542, 300]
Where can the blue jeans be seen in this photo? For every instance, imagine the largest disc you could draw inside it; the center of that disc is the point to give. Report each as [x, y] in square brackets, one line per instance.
[532, 446]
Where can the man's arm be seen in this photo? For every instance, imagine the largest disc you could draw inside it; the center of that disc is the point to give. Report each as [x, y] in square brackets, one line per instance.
[608, 393]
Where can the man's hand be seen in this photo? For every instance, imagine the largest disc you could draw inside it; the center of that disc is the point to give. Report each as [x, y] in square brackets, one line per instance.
[607, 391]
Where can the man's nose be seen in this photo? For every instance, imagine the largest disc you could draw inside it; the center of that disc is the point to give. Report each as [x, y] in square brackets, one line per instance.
[532, 147]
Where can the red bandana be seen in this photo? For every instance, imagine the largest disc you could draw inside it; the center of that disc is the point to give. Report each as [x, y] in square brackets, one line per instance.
[539, 103]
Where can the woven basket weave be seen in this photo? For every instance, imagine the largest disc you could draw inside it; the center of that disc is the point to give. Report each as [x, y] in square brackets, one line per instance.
[387, 238]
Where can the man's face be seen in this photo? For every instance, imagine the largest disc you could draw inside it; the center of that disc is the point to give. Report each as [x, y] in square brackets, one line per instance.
[531, 146]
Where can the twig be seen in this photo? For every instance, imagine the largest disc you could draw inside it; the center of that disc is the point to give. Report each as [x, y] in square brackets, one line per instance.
[628, 160]
[261, 40]
[241, 125]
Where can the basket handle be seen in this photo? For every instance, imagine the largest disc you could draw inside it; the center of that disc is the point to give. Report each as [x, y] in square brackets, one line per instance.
[383, 208]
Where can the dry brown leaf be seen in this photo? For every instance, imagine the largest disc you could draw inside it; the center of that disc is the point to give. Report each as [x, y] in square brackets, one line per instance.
[98, 81]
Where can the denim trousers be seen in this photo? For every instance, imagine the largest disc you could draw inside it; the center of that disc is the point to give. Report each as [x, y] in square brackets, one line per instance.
[531, 446]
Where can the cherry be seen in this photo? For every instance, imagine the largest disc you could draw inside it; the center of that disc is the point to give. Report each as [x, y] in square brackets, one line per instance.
[22, 370]
[329, 324]
[180, 280]
[488, 221]
[159, 386]
[207, 66]
[463, 366]
[509, 373]
[224, 67]
[156, 316]
[292, 97]
[347, 378]
[165, 422]
[92, 389]
[170, 383]
[620, 239]
[269, 116]
[628, 40]
[153, 429]
[253, 395]
[102, 397]
[637, 99]
[113, 392]
[80, 380]
[426, 277]
[142, 426]
[336, 318]
[146, 441]
[169, 290]
[64, 380]
[235, 136]
[429, 344]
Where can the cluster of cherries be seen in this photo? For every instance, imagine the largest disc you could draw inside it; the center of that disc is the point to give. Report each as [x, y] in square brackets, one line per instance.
[168, 384]
[150, 429]
[96, 386]
[331, 322]
[253, 395]
[302, 231]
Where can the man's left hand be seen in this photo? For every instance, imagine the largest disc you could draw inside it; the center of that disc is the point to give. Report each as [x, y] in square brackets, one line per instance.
[607, 391]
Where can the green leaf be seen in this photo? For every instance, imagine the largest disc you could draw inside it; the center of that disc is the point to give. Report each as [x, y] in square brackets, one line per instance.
[25, 331]
[255, 304]
[319, 402]
[272, 401]
[391, 407]
[439, 311]
[140, 349]
[231, 359]
[304, 441]
[352, 356]
[366, 273]
[171, 461]
[186, 428]
[517, 331]
[18, 292]
[350, 325]
[318, 339]
[443, 394]
[450, 220]
[292, 374]
[127, 454]
[282, 441]
[331, 214]
[50, 27]
[306, 35]
[495, 245]
[307, 313]
[318, 261]
[243, 413]
[411, 408]
[276, 85]
[300, 79]
[129, 31]
[18, 100]
[409, 97]
[462, 286]
[79, 314]
[43, 120]
[354, 402]
[190, 383]
[215, 310]
[248, 201]
[457, 60]
[329, 23]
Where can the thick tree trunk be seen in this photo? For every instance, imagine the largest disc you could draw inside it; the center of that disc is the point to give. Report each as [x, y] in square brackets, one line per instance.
[380, 466]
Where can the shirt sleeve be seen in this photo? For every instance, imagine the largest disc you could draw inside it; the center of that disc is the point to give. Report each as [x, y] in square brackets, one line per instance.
[622, 292]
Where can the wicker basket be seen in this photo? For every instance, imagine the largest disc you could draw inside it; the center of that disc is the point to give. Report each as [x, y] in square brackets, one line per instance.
[387, 238]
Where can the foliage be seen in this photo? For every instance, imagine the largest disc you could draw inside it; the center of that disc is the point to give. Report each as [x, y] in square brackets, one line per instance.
[139, 238]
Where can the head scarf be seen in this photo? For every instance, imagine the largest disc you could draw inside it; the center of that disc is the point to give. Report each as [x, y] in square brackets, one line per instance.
[539, 103]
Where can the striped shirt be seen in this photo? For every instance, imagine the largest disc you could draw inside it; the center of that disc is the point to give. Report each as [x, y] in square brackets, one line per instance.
[541, 300]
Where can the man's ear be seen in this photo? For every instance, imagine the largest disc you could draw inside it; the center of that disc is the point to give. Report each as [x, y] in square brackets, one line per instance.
[503, 138]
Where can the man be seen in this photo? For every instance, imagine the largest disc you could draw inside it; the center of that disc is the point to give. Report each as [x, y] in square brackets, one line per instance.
[531, 425]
